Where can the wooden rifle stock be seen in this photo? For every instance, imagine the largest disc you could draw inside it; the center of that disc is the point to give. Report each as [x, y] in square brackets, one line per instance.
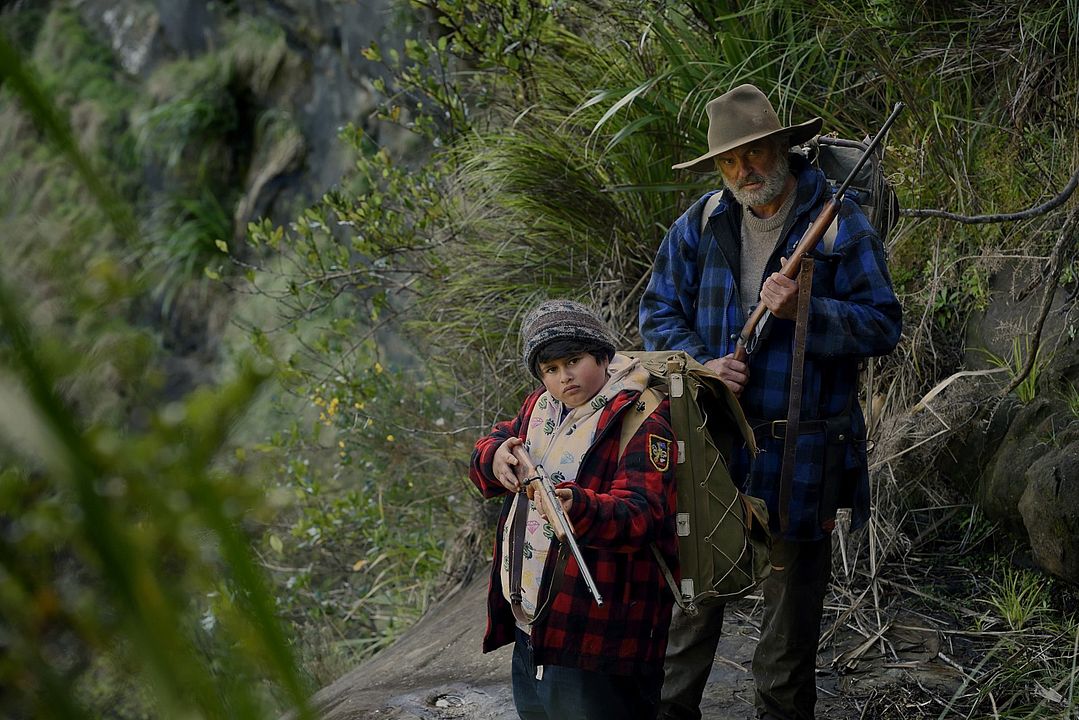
[810, 240]
[556, 514]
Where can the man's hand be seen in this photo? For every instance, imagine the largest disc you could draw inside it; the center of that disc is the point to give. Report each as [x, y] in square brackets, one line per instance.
[780, 295]
[505, 464]
[733, 373]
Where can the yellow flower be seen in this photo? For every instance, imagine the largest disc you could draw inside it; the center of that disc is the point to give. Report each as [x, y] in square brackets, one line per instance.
[389, 438]
[378, 368]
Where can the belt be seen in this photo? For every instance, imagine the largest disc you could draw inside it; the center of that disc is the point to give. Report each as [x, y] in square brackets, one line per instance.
[778, 428]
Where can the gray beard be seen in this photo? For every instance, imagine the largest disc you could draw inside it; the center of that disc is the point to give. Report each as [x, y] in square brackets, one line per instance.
[772, 188]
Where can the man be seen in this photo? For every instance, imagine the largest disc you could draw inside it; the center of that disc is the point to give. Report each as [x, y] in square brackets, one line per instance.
[703, 286]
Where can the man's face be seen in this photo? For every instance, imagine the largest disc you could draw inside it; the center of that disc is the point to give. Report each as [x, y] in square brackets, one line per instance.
[574, 380]
[756, 172]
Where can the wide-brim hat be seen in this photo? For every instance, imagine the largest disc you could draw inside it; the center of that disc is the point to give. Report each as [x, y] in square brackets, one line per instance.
[740, 116]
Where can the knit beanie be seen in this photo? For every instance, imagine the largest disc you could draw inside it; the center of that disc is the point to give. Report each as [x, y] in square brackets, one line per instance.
[561, 320]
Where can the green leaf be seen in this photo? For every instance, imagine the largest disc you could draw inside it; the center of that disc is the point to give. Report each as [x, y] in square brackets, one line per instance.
[372, 52]
[627, 99]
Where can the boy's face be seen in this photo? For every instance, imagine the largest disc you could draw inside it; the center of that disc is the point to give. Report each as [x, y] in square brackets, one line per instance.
[574, 380]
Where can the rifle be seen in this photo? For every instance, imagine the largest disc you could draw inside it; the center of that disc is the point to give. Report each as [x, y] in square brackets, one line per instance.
[751, 334]
[556, 514]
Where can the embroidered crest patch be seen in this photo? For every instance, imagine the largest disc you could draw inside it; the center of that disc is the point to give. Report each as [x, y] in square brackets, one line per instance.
[659, 452]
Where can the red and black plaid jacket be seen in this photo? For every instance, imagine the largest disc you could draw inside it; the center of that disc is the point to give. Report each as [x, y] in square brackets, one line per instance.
[620, 506]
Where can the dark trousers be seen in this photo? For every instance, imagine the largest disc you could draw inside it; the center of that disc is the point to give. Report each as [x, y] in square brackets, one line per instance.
[565, 693]
[784, 662]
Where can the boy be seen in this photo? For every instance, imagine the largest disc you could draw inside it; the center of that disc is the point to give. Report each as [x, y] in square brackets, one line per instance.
[573, 658]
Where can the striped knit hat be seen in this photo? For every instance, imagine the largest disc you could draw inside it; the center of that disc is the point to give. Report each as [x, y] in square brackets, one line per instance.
[561, 320]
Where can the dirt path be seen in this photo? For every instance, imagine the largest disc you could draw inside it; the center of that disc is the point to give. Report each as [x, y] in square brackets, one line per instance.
[436, 671]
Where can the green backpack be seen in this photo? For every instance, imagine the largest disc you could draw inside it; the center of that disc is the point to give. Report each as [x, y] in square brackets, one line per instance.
[723, 538]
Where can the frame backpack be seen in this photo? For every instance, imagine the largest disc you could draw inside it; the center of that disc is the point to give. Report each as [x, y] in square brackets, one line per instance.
[723, 535]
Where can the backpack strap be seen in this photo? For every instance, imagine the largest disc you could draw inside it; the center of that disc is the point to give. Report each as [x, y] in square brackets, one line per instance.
[709, 206]
[830, 234]
[646, 405]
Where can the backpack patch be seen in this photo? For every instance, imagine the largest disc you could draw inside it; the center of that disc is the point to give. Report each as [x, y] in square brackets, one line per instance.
[659, 452]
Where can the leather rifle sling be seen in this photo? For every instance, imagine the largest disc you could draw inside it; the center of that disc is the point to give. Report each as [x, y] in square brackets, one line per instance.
[516, 553]
[794, 408]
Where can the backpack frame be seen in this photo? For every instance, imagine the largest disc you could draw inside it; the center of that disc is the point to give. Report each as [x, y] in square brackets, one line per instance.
[836, 157]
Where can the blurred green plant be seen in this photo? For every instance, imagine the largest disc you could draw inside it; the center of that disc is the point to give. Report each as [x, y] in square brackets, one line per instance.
[193, 107]
[123, 545]
[186, 232]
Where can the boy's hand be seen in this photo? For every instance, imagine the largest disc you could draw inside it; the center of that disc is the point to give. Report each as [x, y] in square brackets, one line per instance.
[505, 464]
[543, 505]
[733, 373]
[565, 495]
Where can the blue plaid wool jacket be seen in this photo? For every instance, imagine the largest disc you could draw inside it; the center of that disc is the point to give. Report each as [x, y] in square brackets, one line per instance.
[692, 304]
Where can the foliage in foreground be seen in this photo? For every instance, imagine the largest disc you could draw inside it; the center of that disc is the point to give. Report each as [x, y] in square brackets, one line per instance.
[124, 557]
[552, 177]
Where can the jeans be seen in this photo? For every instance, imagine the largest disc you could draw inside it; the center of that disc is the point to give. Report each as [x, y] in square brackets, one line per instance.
[565, 693]
[784, 662]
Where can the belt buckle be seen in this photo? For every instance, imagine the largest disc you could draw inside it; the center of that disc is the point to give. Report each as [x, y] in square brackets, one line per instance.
[775, 425]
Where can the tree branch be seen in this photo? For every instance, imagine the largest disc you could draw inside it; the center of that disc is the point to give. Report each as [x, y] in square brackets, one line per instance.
[1002, 217]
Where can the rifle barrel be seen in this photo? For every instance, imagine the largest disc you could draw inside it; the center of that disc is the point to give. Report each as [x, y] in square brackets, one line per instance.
[560, 521]
[812, 236]
[870, 149]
